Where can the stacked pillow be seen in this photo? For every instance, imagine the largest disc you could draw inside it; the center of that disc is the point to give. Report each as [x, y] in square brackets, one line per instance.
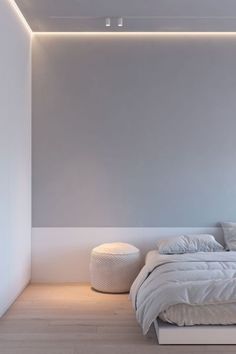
[199, 242]
[229, 229]
[190, 244]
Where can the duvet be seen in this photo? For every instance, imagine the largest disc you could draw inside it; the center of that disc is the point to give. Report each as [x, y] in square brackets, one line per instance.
[193, 278]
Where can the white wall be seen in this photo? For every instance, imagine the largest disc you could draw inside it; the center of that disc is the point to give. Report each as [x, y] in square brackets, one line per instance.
[15, 155]
[63, 254]
[133, 138]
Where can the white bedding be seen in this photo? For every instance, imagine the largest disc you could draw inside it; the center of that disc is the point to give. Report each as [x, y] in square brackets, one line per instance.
[189, 315]
[203, 278]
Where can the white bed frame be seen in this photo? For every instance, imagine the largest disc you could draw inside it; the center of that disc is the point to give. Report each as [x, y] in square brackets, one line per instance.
[173, 334]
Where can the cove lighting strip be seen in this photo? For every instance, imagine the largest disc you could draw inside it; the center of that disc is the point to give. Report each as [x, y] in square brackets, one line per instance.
[159, 34]
[123, 34]
[20, 15]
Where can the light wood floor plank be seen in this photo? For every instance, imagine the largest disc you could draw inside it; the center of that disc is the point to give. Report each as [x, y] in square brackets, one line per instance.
[73, 319]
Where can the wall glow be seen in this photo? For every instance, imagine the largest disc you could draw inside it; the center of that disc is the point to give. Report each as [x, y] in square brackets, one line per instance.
[20, 15]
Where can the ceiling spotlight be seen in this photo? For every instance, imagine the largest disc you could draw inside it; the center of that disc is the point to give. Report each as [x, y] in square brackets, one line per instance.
[108, 22]
[120, 22]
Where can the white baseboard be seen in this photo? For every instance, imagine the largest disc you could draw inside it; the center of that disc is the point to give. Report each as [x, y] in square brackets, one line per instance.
[62, 254]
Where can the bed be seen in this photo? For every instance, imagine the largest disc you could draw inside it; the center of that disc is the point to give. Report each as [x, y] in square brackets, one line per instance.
[190, 298]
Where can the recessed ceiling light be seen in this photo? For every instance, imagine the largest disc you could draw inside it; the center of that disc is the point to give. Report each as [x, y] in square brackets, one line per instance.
[108, 22]
[120, 22]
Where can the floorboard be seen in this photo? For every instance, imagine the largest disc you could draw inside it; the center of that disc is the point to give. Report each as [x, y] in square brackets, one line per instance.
[73, 319]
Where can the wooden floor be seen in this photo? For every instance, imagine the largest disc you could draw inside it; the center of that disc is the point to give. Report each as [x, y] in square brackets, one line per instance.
[73, 319]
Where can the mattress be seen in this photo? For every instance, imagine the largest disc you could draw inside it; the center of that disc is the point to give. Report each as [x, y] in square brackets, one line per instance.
[189, 315]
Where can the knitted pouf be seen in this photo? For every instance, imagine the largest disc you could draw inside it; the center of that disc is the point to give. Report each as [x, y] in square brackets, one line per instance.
[114, 266]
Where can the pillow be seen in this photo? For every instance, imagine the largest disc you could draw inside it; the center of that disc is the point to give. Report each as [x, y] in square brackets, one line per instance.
[229, 229]
[189, 244]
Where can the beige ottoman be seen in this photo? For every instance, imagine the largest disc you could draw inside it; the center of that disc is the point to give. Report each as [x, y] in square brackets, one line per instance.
[113, 267]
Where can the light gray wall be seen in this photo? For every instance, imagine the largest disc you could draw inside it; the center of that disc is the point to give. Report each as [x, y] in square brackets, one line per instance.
[134, 131]
[15, 156]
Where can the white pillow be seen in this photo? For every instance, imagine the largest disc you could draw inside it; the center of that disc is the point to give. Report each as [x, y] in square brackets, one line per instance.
[189, 244]
[229, 229]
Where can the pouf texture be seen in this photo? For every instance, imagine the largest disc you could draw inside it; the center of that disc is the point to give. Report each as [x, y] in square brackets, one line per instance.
[114, 266]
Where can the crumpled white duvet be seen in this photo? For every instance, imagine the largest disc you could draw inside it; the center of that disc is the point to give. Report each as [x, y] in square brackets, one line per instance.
[202, 278]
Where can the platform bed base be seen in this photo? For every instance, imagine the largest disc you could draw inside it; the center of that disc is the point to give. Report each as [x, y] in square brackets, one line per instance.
[173, 334]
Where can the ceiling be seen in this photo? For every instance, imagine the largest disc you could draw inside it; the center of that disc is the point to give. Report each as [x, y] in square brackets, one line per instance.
[138, 15]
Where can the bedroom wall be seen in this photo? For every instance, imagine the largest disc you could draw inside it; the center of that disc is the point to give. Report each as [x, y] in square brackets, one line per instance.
[133, 131]
[15, 155]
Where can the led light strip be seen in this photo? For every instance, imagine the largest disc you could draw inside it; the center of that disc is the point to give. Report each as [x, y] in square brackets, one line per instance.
[20, 15]
[159, 34]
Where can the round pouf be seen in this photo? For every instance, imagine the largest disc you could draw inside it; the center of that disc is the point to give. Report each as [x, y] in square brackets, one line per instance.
[114, 266]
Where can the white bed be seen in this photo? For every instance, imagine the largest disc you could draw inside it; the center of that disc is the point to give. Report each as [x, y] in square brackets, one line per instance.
[173, 334]
[196, 293]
